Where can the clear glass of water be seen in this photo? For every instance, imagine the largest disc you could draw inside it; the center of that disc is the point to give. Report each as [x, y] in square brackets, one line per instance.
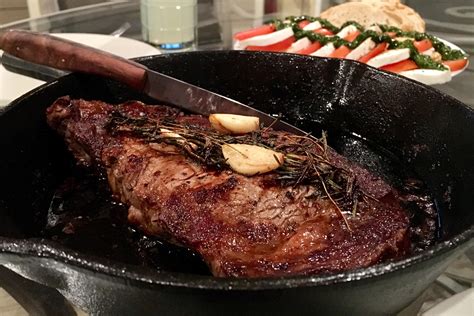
[170, 25]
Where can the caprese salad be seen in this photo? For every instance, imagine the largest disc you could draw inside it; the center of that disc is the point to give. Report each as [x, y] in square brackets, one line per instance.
[419, 56]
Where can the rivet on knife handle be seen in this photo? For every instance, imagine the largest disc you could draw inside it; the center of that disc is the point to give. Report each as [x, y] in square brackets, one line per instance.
[62, 54]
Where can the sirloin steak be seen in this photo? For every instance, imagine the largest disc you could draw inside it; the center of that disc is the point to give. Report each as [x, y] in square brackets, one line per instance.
[241, 226]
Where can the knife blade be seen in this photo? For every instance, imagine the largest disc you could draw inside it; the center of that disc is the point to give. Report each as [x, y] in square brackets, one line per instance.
[58, 53]
[29, 69]
[205, 102]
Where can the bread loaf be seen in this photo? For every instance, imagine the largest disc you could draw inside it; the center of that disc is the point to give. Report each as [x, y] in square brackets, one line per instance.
[369, 12]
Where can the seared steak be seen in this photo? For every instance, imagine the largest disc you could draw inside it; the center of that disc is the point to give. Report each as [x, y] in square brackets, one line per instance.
[241, 226]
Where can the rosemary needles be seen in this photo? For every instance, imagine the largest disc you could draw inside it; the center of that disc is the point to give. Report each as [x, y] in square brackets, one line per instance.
[302, 160]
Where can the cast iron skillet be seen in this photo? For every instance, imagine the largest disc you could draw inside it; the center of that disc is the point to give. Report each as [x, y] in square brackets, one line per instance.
[428, 131]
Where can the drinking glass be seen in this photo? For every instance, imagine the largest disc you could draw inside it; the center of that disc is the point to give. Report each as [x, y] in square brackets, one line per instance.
[169, 25]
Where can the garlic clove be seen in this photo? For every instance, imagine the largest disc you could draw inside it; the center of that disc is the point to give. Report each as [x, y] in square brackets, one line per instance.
[217, 125]
[251, 159]
[167, 133]
[234, 124]
[179, 139]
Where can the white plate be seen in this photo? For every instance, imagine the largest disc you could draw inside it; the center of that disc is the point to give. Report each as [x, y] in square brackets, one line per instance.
[452, 46]
[461, 304]
[13, 85]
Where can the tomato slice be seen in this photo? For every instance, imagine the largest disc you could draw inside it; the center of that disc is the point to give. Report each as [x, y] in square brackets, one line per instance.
[380, 48]
[261, 30]
[323, 31]
[342, 51]
[456, 65]
[423, 45]
[404, 65]
[303, 23]
[352, 36]
[310, 49]
[277, 47]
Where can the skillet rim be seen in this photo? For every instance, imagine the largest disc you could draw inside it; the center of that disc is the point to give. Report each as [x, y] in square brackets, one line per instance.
[46, 249]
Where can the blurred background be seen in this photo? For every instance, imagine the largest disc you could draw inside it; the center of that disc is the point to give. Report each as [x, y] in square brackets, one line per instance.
[217, 20]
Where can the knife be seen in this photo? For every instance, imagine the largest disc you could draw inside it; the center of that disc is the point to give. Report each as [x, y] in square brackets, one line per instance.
[58, 53]
[29, 69]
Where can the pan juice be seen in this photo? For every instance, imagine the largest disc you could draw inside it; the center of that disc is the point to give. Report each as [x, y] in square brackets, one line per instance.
[85, 217]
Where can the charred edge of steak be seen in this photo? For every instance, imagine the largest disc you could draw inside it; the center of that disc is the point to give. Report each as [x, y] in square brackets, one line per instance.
[241, 226]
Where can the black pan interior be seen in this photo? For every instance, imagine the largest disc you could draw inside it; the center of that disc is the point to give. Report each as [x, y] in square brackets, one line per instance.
[372, 115]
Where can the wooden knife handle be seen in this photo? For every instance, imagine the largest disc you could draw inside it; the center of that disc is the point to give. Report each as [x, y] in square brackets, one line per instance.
[62, 54]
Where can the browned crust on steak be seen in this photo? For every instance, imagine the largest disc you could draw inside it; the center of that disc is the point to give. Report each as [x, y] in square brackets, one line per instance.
[241, 226]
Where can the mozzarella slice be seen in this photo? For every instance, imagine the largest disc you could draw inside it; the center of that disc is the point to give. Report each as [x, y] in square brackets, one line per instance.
[312, 26]
[346, 31]
[324, 51]
[375, 28]
[266, 39]
[401, 39]
[363, 49]
[299, 45]
[428, 76]
[428, 52]
[389, 57]
[327, 49]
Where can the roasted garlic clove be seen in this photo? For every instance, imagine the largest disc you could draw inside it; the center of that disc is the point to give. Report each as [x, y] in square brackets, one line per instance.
[167, 133]
[251, 159]
[234, 124]
[179, 139]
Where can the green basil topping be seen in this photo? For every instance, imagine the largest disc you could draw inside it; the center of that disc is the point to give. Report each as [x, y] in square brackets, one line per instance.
[423, 61]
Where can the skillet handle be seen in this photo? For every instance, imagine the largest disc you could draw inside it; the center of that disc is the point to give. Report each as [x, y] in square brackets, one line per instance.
[62, 54]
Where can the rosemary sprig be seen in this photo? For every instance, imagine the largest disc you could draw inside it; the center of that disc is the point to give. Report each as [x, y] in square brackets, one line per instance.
[307, 160]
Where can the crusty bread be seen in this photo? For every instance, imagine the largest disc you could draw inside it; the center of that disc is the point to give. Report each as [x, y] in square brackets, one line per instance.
[368, 12]
[375, 1]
